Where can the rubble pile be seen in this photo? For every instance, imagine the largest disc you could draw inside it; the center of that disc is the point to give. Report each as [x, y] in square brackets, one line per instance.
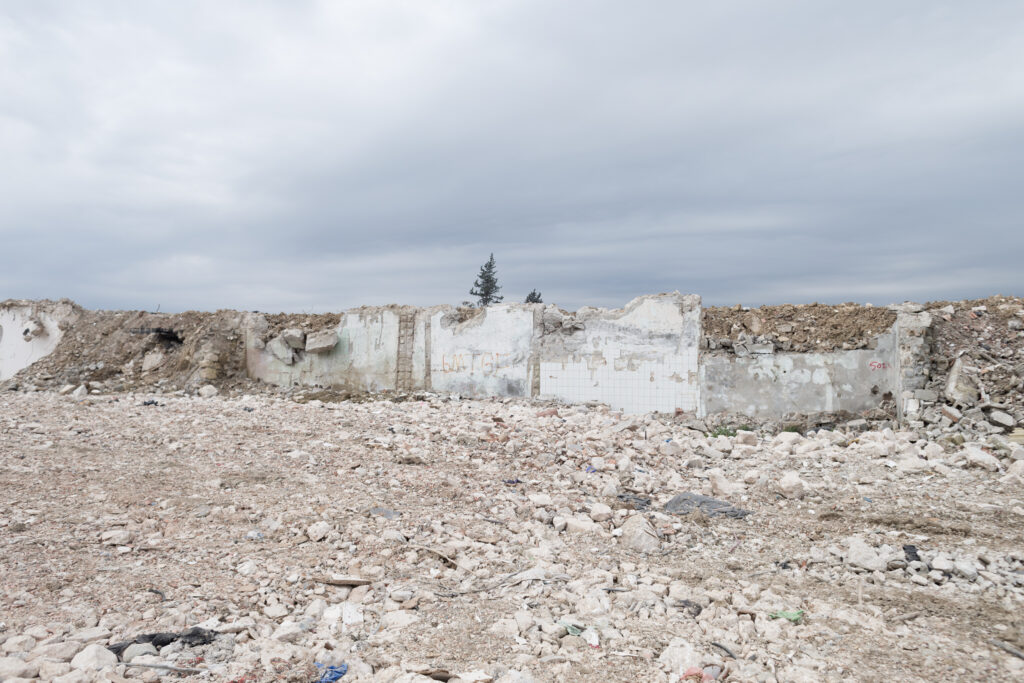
[260, 538]
[976, 383]
[105, 351]
[797, 328]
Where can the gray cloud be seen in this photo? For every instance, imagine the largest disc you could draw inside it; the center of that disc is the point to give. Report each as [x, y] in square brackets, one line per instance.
[322, 155]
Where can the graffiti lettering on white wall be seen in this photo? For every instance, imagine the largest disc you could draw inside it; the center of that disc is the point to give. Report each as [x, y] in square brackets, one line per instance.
[473, 363]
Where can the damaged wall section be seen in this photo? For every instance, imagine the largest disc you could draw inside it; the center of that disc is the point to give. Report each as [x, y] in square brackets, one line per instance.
[769, 384]
[645, 357]
[487, 354]
[641, 358]
[360, 354]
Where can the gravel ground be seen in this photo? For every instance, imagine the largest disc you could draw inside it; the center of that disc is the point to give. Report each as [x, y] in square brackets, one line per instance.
[503, 540]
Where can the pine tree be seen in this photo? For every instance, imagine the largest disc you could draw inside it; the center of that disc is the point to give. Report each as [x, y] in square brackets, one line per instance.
[534, 297]
[486, 287]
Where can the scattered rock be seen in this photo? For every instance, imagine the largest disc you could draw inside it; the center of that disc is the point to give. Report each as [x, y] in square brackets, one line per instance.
[792, 486]
[12, 667]
[94, 657]
[638, 534]
[318, 531]
[979, 458]
[599, 512]
[1001, 419]
[208, 391]
[136, 650]
[860, 554]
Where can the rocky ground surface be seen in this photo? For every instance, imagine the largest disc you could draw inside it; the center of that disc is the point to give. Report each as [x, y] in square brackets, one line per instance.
[438, 539]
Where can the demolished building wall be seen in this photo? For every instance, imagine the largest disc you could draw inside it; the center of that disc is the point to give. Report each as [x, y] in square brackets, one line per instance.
[486, 354]
[775, 384]
[644, 357]
[641, 358]
[938, 364]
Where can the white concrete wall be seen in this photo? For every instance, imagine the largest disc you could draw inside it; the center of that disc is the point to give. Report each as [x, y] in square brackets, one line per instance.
[772, 385]
[487, 355]
[17, 350]
[642, 358]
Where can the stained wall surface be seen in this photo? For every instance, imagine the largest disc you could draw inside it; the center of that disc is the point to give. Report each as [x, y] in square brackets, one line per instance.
[774, 384]
[486, 355]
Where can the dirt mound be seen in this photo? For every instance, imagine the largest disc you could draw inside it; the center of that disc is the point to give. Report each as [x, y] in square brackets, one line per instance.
[801, 328]
[308, 322]
[121, 350]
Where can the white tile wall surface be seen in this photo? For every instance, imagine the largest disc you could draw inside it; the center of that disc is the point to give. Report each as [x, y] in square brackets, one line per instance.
[653, 385]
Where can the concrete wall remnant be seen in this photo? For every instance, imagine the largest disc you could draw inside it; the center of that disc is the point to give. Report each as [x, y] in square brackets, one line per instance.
[767, 385]
[641, 358]
[913, 337]
[652, 355]
[363, 358]
[644, 357]
[485, 355]
[28, 332]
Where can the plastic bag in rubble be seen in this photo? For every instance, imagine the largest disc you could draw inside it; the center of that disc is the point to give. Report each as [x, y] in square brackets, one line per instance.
[191, 637]
[330, 674]
[685, 503]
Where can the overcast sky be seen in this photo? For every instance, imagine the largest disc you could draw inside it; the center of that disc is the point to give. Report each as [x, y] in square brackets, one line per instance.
[313, 156]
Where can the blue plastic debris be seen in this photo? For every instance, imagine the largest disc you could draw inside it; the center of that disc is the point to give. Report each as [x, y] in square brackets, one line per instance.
[513, 482]
[590, 469]
[331, 673]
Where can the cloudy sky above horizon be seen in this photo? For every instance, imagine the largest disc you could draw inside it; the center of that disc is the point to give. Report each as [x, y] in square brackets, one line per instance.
[311, 156]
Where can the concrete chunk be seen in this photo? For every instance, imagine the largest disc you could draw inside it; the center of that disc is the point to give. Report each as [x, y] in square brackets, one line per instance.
[281, 350]
[321, 342]
[860, 554]
[295, 338]
[960, 388]
[94, 657]
[639, 534]
[1001, 419]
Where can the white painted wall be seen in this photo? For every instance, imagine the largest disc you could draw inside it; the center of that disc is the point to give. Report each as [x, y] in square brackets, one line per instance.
[17, 353]
[487, 355]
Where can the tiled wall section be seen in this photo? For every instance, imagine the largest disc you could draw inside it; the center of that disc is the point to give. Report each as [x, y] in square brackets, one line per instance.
[640, 359]
[652, 385]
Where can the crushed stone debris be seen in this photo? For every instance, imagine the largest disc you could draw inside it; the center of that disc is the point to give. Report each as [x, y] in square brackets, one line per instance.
[119, 518]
